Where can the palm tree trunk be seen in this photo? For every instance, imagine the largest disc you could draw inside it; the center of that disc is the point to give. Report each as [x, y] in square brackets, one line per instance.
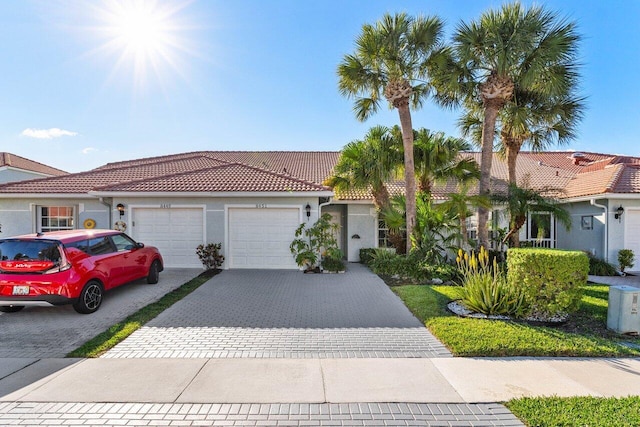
[380, 197]
[488, 131]
[409, 169]
[513, 148]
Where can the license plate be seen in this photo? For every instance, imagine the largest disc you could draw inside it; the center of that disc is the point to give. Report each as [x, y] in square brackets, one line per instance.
[20, 290]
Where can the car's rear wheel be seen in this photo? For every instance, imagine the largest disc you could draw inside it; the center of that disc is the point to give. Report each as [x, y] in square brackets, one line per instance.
[11, 308]
[154, 273]
[90, 298]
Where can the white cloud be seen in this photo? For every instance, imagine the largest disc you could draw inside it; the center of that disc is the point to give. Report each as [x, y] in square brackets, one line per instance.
[88, 150]
[47, 133]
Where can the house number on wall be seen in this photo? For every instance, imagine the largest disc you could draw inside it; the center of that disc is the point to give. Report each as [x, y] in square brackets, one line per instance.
[165, 205]
[261, 205]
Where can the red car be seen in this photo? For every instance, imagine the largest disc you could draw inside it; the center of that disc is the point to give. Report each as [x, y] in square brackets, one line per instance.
[71, 267]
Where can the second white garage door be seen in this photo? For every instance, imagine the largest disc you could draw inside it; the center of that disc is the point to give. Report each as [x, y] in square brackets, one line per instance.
[176, 232]
[632, 235]
[260, 238]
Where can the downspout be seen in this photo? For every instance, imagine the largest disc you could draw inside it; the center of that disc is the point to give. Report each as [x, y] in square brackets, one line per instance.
[110, 206]
[606, 227]
[322, 205]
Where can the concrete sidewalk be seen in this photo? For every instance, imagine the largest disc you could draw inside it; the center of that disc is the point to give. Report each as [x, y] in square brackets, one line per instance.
[438, 380]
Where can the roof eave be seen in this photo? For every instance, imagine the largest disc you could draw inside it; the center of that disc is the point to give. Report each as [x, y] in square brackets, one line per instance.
[230, 194]
[46, 196]
[629, 196]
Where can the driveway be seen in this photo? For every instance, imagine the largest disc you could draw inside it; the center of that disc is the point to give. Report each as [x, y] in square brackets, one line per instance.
[39, 332]
[285, 314]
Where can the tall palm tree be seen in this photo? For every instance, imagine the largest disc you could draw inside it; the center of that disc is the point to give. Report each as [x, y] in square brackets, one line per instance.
[368, 164]
[390, 61]
[539, 122]
[505, 51]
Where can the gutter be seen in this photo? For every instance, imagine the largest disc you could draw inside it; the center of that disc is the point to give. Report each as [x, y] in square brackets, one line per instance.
[606, 227]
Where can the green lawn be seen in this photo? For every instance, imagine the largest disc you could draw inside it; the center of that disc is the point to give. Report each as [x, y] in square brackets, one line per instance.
[118, 332]
[584, 335]
[577, 411]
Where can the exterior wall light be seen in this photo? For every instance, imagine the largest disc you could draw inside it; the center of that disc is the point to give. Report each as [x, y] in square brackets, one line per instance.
[120, 208]
[619, 213]
[308, 209]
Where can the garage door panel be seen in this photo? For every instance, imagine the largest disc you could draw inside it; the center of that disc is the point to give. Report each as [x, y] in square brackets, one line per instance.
[632, 235]
[176, 232]
[260, 238]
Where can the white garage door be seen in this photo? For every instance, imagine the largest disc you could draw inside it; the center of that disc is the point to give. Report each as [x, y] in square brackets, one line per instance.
[632, 236]
[260, 238]
[176, 232]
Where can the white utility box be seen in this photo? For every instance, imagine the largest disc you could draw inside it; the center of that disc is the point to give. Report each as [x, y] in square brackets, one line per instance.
[622, 315]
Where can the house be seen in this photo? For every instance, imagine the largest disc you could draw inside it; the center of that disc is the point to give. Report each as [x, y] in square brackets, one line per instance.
[252, 202]
[15, 168]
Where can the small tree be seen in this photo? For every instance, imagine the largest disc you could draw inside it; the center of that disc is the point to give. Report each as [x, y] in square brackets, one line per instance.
[320, 243]
[210, 255]
[625, 259]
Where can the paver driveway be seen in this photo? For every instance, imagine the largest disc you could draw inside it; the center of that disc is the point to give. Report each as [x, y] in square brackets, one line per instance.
[38, 332]
[263, 313]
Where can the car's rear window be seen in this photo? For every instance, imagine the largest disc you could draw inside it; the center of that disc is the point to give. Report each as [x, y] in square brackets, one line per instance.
[29, 250]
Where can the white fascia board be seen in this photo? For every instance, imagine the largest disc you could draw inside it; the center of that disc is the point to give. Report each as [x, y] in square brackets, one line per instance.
[211, 194]
[46, 196]
[627, 196]
[351, 202]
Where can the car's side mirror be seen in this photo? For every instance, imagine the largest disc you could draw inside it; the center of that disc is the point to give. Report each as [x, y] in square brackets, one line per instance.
[139, 245]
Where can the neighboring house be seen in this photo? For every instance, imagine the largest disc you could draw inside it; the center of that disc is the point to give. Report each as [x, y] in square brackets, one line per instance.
[15, 168]
[252, 203]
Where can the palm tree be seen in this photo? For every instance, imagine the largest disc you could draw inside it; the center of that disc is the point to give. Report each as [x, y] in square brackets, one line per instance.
[458, 205]
[367, 164]
[539, 122]
[437, 159]
[390, 61]
[506, 51]
[522, 201]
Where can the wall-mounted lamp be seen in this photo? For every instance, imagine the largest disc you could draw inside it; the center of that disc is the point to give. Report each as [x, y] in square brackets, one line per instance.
[308, 210]
[619, 213]
[120, 208]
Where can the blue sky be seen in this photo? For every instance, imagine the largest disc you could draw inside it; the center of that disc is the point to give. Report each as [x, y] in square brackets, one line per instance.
[80, 87]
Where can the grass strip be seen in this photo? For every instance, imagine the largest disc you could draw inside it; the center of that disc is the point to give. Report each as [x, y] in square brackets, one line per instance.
[577, 411]
[121, 330]
[584, 336]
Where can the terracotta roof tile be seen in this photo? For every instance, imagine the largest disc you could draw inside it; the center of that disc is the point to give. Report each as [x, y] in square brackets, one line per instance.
[14, 161]
[628, 180]
[232, 177]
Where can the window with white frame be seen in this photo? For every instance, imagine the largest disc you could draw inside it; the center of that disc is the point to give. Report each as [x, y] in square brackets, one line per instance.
[53, 218]
[383, 235]
[541, 229]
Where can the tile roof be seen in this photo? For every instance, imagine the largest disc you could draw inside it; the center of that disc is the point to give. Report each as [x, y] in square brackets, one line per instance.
[17, 162]
[277, 171]
[230, 177]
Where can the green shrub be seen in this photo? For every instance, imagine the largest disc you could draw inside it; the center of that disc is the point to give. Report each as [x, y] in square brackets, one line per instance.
[625, 259]
[485, 288]
[311, 244]
[332, 264]
[599, 267]
[210, 255]
[366, 255]
[551, 279]
[410, 267]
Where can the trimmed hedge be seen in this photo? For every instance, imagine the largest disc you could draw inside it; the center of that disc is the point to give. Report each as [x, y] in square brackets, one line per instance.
[550, 278]
[366, 255]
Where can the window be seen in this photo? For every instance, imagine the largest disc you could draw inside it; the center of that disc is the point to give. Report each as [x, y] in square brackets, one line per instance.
[53, 218]
[100, 246]
[540, 230]
[383, 235]
[122, 242]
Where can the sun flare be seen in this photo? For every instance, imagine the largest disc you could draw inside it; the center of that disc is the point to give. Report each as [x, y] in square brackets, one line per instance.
[145, 37]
